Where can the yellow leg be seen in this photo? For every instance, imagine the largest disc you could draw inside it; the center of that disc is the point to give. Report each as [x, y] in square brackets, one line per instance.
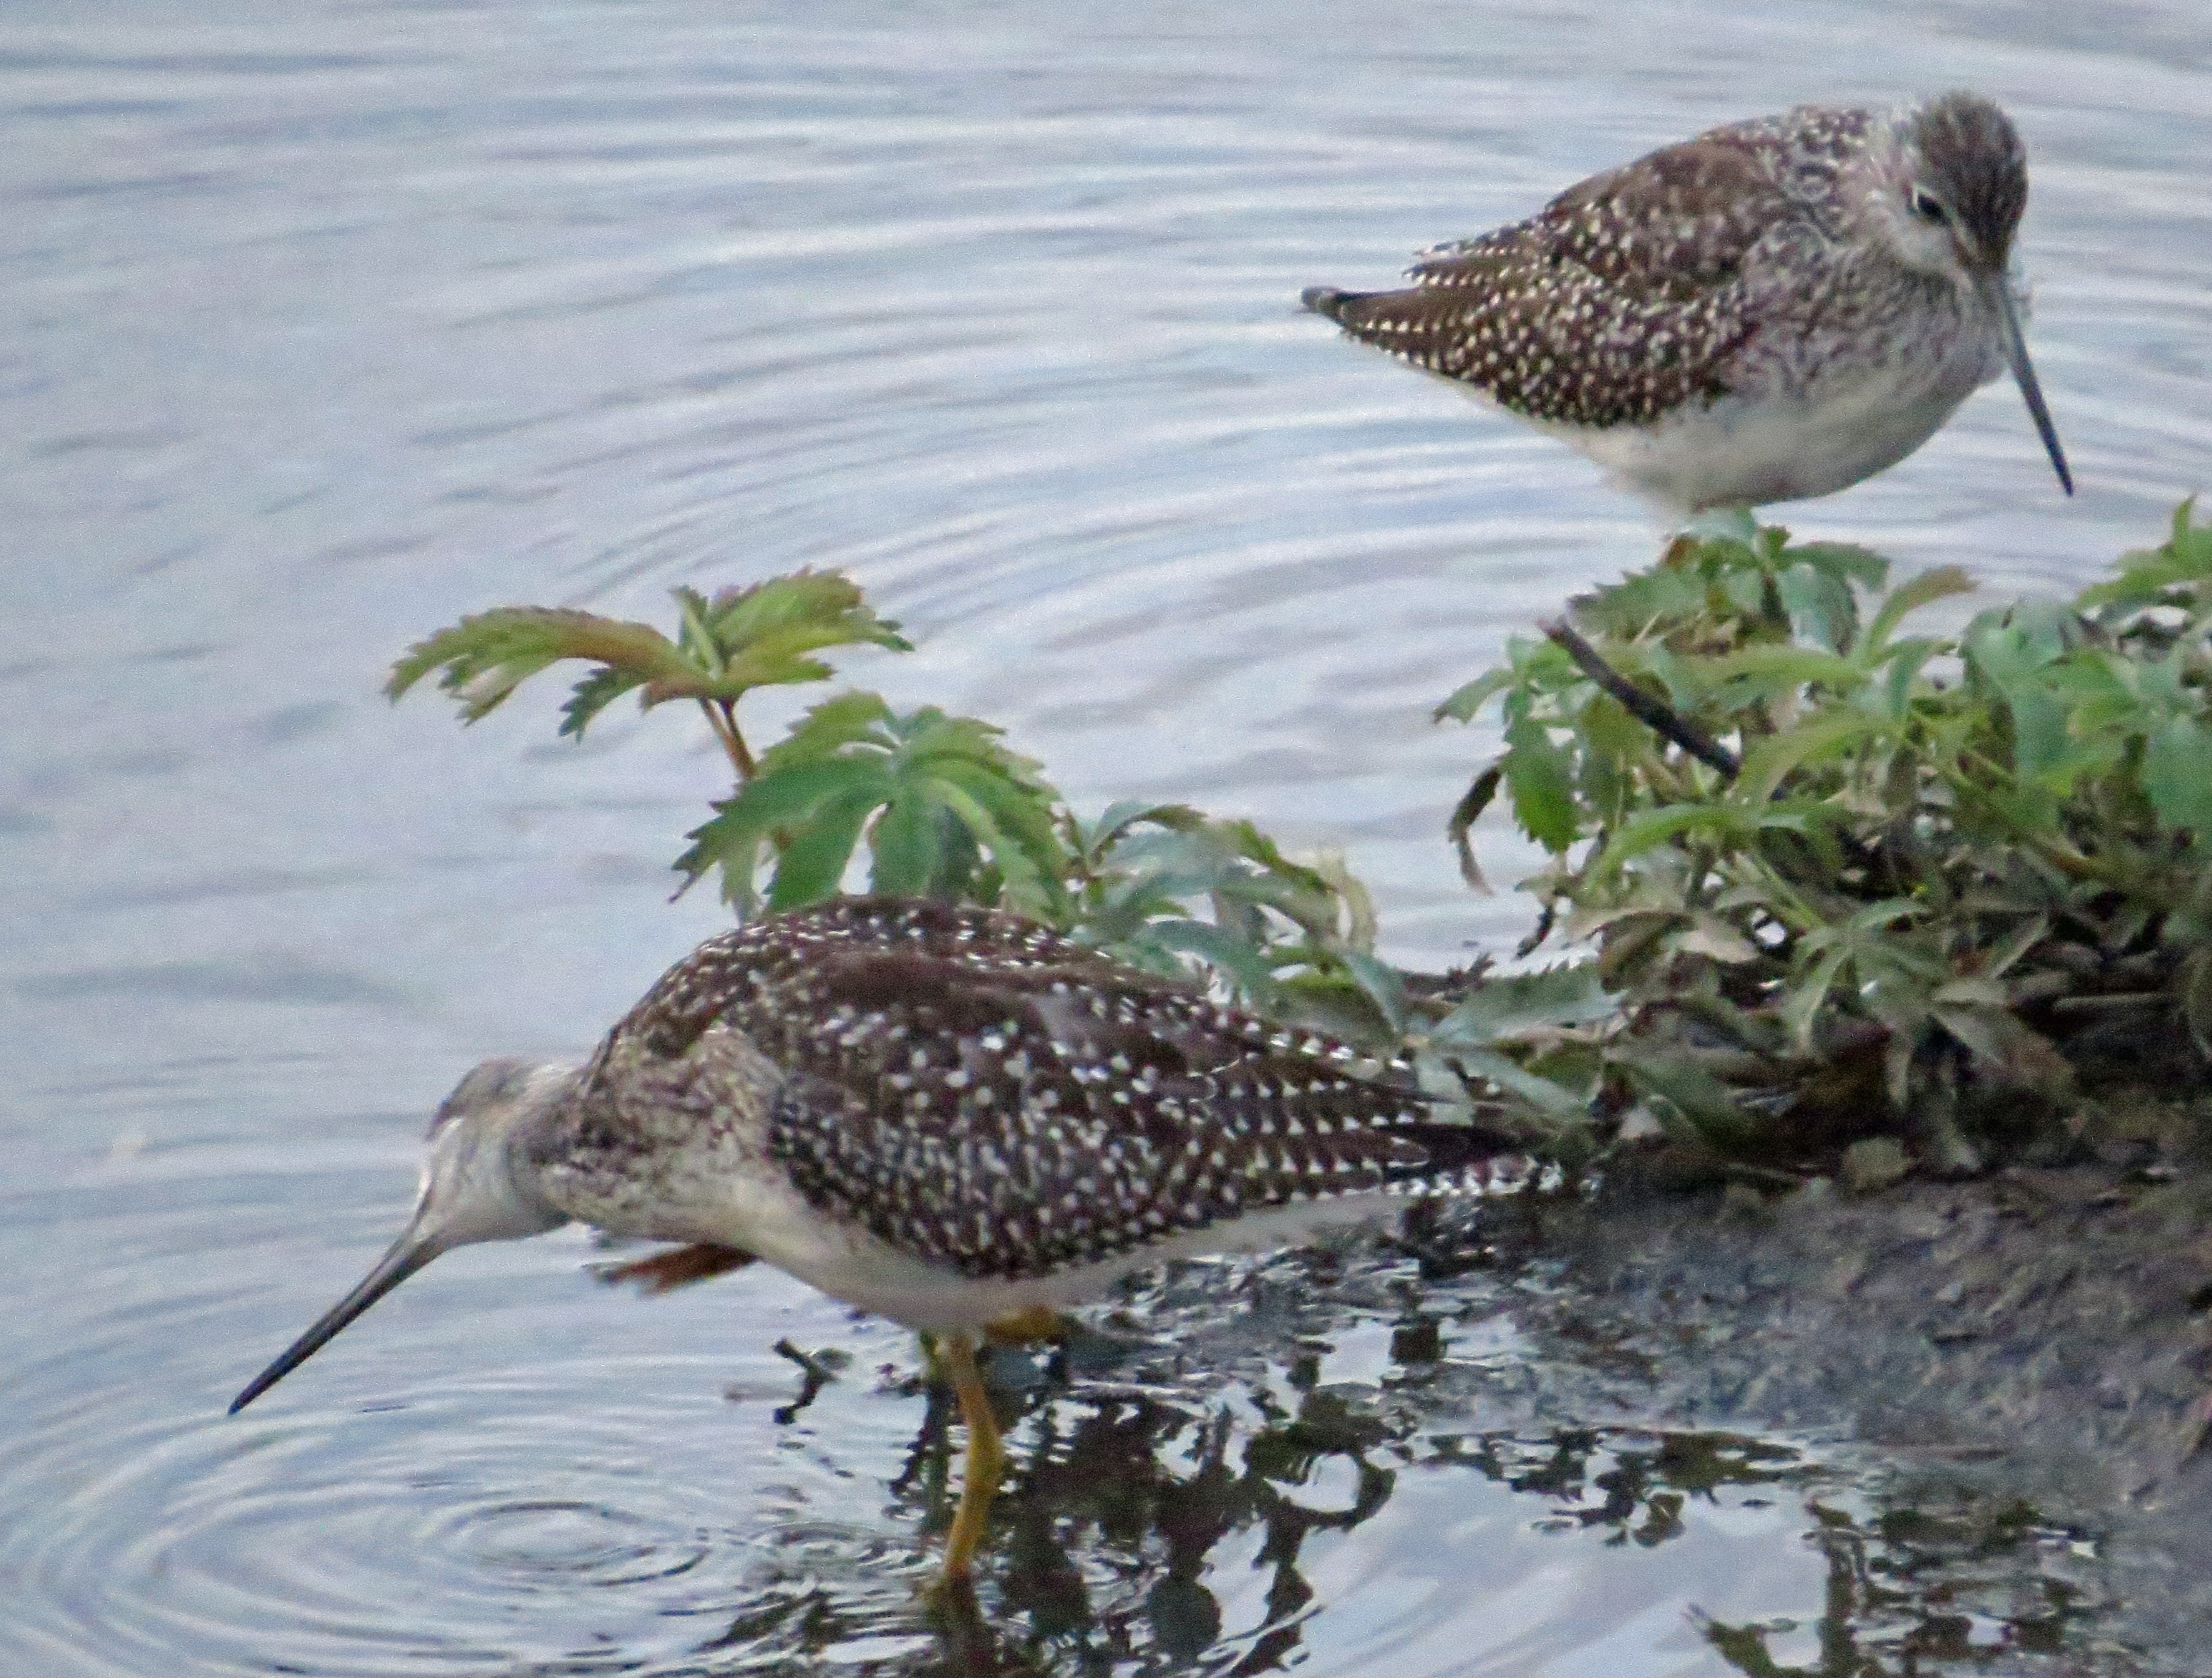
[986, 1460]
[1037, 1323]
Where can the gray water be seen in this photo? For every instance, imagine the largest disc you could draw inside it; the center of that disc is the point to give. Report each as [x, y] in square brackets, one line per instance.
[322, 325]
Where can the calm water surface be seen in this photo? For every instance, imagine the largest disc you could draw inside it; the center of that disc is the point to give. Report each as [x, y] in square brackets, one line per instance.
[321, 325]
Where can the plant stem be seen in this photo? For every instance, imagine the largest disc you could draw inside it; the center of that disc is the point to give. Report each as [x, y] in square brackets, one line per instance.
[1647, 708]
[722, 717]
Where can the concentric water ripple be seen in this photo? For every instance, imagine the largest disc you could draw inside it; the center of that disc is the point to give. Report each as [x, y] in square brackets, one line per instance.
[412, 1539]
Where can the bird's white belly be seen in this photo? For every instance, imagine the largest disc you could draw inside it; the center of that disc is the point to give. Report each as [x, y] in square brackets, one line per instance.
[771, 1221]
[1746, 451]
[941, 1300]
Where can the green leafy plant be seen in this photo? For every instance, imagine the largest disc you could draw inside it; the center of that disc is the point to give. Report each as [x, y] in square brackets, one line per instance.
[1840, 875]
[934, 804]
[946, 811]
[1844, 877]
[765, 635]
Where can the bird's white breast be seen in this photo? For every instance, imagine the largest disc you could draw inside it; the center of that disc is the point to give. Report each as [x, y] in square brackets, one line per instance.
[1748, 451]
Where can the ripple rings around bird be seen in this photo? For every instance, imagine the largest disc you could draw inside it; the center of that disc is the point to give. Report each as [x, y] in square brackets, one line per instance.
[442, 1536]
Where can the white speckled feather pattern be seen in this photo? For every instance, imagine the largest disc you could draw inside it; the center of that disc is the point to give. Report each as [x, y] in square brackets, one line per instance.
[880, 1096]
[1756, 314]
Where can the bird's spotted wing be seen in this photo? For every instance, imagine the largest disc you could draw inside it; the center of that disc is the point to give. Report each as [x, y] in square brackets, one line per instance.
[1623, 298]
[983, 1093]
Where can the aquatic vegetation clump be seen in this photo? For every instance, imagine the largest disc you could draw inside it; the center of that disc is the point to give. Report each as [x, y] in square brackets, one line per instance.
[1843, 878]
[925, 803]
[1860, 894]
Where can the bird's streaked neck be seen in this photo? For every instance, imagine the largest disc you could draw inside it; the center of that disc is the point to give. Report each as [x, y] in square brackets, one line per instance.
[480, 1182]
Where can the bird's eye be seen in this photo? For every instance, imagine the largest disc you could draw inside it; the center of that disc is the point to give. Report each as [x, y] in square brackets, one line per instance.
[1926, 208]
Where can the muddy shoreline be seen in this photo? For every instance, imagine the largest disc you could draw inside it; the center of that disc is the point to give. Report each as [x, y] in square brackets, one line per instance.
[2050, 1330]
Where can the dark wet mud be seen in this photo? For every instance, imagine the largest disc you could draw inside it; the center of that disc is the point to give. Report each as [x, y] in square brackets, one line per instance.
[2041, 1338]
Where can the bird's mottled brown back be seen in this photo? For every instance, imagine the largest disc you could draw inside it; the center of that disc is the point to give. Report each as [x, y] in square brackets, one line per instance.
[983, 1093]
[1624, 298]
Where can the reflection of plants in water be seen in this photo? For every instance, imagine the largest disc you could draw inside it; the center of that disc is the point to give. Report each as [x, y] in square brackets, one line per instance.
[1949, 1579]
[1143, 1490]
[1914, 1588]
[1097, 1481]
[1123, 1497]
[1642, 1481]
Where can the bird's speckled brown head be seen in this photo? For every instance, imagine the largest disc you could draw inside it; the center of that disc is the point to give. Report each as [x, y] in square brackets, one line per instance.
[1968, 173]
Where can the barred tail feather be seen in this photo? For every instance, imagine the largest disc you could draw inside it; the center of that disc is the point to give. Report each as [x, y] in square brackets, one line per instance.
[1461, 1160]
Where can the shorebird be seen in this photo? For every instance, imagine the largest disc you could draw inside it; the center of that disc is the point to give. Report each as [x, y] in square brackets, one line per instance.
[951, 1116]
[1772, 310]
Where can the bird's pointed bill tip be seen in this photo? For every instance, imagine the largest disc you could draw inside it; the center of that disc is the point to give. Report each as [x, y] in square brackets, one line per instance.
[406, 1255]
[2030, 389]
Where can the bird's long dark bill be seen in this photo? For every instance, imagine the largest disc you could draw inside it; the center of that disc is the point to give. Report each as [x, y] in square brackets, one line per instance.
[2023, 374]
[409, 1254]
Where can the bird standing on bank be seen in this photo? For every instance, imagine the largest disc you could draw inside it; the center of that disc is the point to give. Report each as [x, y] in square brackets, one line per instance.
[1774, 310]
[951, 1116]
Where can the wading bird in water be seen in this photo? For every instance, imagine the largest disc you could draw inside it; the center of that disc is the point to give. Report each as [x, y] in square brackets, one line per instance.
[951, 1116]
[1774, 310]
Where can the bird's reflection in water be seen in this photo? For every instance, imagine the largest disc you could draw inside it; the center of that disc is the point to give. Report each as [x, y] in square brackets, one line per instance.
[1124, 1494]
[1143, 1490]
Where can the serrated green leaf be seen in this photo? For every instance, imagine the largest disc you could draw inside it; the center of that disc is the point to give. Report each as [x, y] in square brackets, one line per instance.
[1843, 561]
[1249, 841]
[788, 793]
[1745, 590]
[1637, 605]
[486, 657]
[1806, 996]
[845, 719]
[2177, 775]
[1025, 883]
[1381, 984]
[738, 617]
[777, 659]
[1124, 815]
[1511, 1006]
[1941, 583]
[593, 695]
[1728, 526]
[763, 635]
[1723, 822]
[1709, 1105]
[1903, 661]
[693, 632]
[811, 865]
[1773, 758]
[1821, 607]
[907, 845]
[1245, 967]
[1542, 786]
[1468, 699]
[773, 804]
[1770, 667]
